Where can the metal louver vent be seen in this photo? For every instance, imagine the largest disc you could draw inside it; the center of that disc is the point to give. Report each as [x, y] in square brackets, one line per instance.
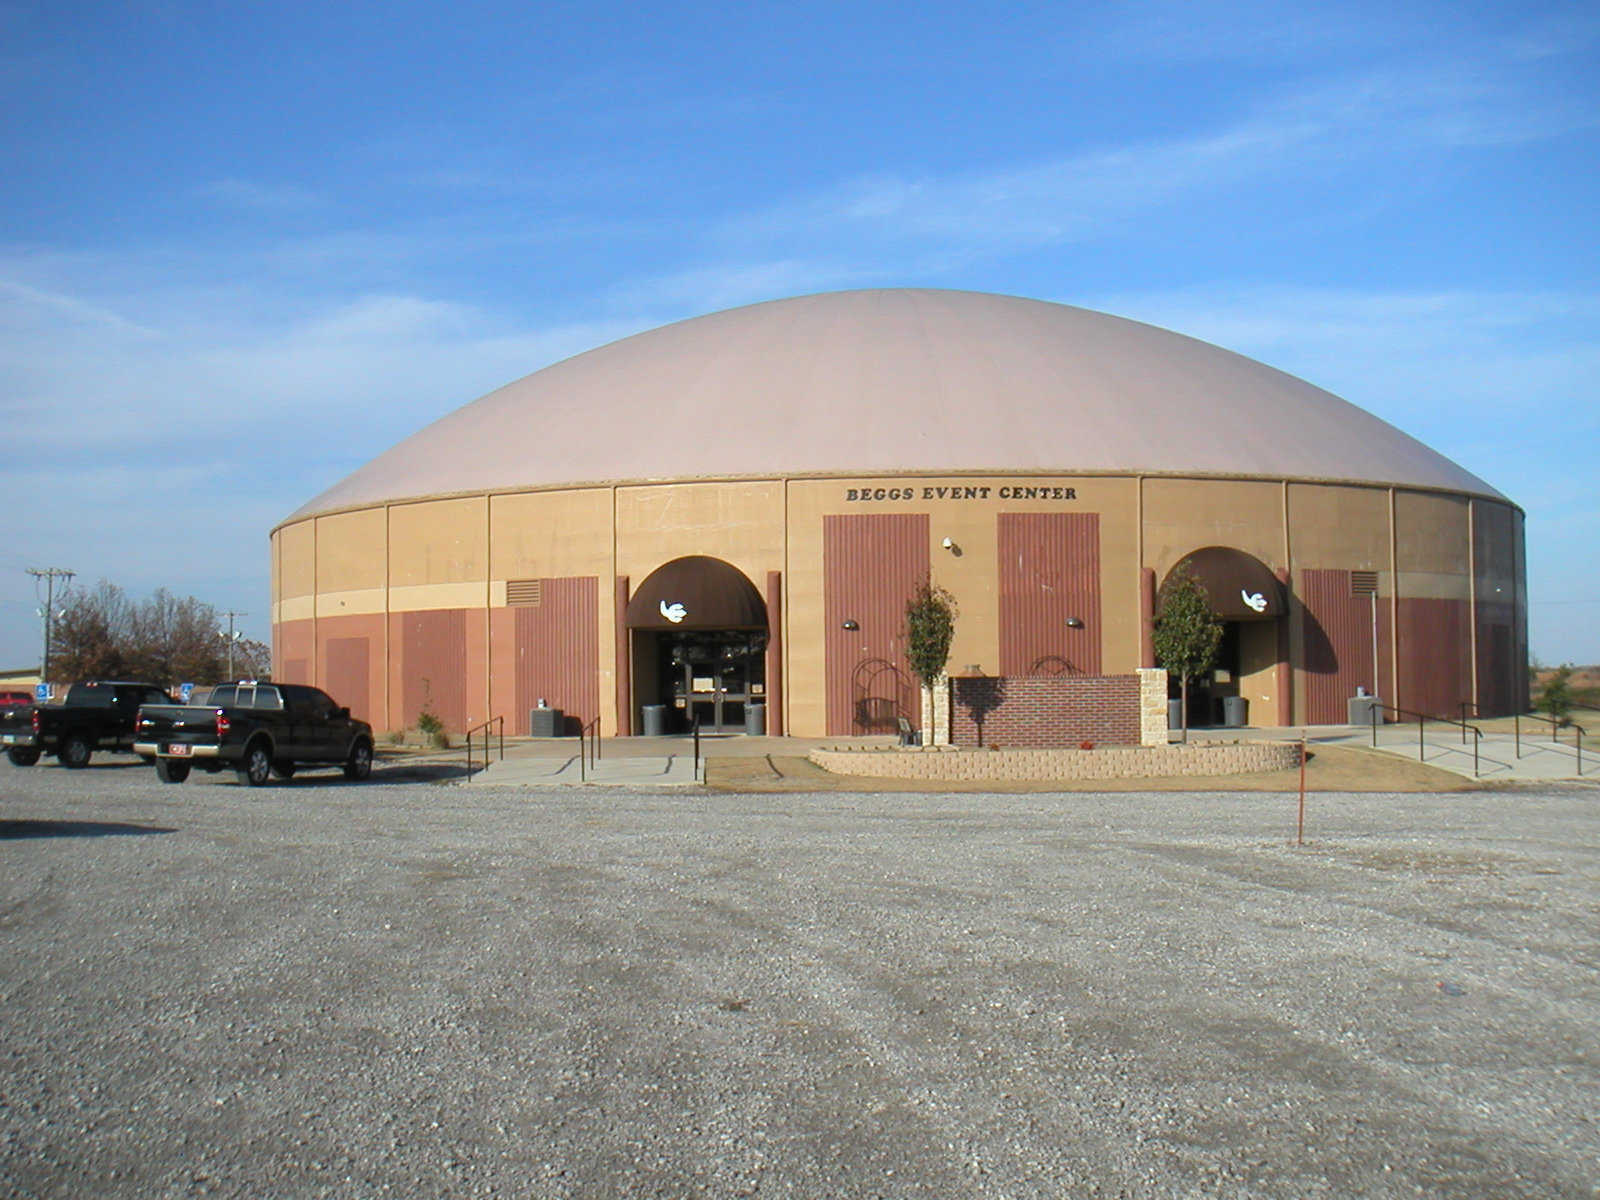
[524, 593]
[1363, 583]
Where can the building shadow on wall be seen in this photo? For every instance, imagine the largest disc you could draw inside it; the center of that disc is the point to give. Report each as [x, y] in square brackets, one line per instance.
[980, 696]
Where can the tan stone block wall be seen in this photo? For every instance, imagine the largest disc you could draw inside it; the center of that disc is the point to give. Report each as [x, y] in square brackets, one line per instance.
[1152, 706]
[1043, 766]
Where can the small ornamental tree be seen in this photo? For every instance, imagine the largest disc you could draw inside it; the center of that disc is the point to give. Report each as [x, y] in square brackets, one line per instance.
[1556, 698]
[930, 628]
[1186, 635]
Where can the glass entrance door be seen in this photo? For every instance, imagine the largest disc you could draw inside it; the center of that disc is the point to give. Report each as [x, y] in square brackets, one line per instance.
[712, 677]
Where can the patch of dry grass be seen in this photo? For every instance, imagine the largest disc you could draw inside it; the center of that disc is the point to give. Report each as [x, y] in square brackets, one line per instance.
[1328, 769]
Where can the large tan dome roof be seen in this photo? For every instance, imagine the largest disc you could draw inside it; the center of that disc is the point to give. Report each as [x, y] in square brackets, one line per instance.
[891, 381]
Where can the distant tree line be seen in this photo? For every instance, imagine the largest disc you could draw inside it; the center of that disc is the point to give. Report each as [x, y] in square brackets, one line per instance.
[165, 639]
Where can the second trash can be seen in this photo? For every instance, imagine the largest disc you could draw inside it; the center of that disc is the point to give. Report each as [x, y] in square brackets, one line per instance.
[755, 719]
[1233, 711]
[655, 720]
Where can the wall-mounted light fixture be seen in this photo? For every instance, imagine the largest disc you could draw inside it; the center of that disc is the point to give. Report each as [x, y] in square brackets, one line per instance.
[948, 544]
[851, 626]
[1074, 623]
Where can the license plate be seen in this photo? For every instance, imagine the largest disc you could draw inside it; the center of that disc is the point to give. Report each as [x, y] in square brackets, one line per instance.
[179, 750]
[11, 739]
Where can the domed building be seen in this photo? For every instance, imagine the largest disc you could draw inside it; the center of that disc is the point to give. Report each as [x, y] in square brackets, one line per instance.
[733, 511]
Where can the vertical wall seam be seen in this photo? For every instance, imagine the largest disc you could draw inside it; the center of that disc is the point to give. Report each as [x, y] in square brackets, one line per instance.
[388, 646]
[1472, 597]
[1394, 603]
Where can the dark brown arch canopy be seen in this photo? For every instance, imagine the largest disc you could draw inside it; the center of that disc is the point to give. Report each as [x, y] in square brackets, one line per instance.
[1241, 587]
[701, 593]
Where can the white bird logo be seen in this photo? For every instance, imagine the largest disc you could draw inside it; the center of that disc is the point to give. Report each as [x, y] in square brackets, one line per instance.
[1256, 601]
[673, 612]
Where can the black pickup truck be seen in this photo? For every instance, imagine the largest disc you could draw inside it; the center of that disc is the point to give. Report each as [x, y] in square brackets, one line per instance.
[258, 729]
[98, 714]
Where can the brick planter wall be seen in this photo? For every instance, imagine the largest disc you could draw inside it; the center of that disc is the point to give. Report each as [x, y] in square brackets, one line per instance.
[1054, 710]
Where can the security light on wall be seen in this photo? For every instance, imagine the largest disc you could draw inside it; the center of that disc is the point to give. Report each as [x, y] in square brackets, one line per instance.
[851, 626]
[1074, 622]
[947, 543]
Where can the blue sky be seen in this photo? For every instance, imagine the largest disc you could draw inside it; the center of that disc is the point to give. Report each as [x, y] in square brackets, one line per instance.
[244, 248]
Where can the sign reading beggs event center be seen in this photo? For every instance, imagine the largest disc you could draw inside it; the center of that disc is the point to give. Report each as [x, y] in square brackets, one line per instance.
[1009, 492]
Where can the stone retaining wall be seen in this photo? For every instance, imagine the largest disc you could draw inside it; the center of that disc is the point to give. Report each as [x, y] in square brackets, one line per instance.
[1023, 765]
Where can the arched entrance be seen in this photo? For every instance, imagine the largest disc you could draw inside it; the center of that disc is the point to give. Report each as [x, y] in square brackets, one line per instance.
[1250, 601]
[698, 636]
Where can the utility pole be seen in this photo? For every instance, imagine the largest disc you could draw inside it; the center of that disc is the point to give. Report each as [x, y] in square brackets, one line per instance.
[49, 575]
[231, 615]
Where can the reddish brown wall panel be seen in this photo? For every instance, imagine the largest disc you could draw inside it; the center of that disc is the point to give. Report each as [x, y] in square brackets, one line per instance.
[1338, 644]
[346, 680]
[1049, 572]
[1434, 656]
[433, 665]
[292, 651]
[872, 564]
[558, 652]
[1064, 710]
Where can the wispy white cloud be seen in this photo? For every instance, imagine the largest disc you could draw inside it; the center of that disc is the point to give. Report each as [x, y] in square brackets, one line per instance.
[22, 305]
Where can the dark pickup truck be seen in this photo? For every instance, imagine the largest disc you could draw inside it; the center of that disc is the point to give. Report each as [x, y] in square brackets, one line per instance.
[98, 714]
[258, 729]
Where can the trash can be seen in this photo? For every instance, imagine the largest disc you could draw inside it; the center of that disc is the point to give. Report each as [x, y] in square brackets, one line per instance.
[1174, 714]
[546, 722]
[1360, 709]
[655, 720]
[1233, 711]
[755, 719]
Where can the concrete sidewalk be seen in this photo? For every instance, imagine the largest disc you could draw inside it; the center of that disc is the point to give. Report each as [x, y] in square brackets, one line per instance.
[670, 761]
[638, 761]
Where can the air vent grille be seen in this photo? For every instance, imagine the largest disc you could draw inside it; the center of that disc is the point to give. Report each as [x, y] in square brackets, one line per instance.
[1363, 583]
[524, 593]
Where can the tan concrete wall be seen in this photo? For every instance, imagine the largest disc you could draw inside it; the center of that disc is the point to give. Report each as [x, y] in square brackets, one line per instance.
[438, 542]
[351, 552]
[740, 523]
[458, 553]
[1433, 546]
[551, 535]
[1332, 525]
[1183, 515]
[1258, 670]
[297, 568]
[966, 513]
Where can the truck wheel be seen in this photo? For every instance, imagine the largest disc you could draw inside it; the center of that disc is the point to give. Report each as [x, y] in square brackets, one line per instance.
[359, 765]
[256, 767]
[169, 770]
[75, 751]
[23, 756]
[283, 769]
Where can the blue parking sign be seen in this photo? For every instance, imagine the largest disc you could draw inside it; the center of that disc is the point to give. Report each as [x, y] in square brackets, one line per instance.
[41, 692]
[185, 690]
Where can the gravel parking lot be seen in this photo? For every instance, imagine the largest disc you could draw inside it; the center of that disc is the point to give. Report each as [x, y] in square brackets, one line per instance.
[413, 988]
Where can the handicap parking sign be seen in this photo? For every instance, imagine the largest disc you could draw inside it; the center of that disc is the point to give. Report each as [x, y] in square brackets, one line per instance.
[41, 692]
[185, 690]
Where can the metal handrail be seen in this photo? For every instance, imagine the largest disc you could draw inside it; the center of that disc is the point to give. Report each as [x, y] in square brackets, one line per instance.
[1422, 720]
[1462, 709]
[697, 746]
[588, 748]
[484, 729]
[1578, 732]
